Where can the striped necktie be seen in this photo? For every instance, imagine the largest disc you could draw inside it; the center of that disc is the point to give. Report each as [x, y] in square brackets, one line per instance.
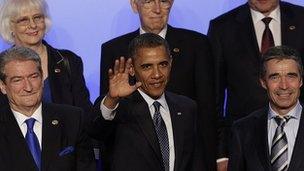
[279, 147]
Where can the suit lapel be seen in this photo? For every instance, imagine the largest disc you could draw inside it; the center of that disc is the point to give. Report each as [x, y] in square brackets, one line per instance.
[174, 42]
[247, 33]
[15, 149]
[297, 156]
[261, 132]
[141, 112]
[58, 76]
[51, 136]
[178, 130]
[288, 26]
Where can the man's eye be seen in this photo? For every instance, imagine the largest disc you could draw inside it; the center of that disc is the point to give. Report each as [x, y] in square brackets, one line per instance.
[274, 77]
[16, 80]
[145, 66]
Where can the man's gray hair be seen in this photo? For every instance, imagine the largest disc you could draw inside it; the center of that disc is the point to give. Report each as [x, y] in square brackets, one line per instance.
[18, 53]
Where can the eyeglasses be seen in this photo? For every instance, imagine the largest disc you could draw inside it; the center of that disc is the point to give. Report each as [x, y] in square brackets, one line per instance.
[25, 21]
[165, 4]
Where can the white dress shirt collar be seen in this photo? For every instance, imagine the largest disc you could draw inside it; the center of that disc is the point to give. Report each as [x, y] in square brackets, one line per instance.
[21, 118]
[162, 33]
[258, 16]
[150, 101]
[294, 112]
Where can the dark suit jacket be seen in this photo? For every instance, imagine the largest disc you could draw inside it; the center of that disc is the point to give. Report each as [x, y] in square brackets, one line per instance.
[67, 87]
[135, 145]
[191, 75]
[250, 151]
[236, 57]
[69, 131]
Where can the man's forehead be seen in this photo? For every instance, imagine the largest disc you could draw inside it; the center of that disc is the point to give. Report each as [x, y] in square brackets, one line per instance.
[289, 65]
[21, 67]
[152, 54]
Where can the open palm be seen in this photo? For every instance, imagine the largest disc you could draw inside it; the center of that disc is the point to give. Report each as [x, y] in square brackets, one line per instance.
[119, 79]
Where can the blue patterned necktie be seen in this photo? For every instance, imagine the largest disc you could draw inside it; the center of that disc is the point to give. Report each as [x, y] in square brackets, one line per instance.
[32, 142]
[279, 147]
[162, 135]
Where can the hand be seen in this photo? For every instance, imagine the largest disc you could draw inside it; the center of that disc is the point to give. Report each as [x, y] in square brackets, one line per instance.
[222, 166]
[119, 82]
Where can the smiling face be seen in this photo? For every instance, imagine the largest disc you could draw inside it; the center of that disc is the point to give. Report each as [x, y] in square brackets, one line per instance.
[28, 27]
[23, 85]
[282, 82]
[263, 6]
[153, 14]
[152, 68]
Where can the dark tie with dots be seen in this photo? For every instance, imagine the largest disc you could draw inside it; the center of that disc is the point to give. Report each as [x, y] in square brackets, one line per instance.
[267, 39]
[162, 135]
[279, 147]
[32, 142]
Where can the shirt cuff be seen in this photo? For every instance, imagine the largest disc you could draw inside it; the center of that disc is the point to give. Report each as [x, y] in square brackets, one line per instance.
[221, 160]
[107, 114]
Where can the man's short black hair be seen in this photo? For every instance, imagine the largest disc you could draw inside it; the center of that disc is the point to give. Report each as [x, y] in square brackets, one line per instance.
[147, 40]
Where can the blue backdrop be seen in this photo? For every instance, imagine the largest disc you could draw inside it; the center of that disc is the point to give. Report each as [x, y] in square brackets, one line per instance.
[82, 26]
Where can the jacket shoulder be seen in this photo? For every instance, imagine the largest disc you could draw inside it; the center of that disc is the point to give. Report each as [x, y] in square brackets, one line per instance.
[120, 40]
[180, 99]
[249, 120]
[230, 15]
[66, 112]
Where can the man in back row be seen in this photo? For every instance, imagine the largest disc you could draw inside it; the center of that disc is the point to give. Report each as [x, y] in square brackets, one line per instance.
[192, 70]
[36, 135]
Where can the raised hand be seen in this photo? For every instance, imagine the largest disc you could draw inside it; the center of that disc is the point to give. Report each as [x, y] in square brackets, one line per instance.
[119, 82]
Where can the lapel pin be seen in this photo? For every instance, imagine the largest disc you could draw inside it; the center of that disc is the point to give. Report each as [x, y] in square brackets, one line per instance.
[292, 27]
[176, 50]
[55, 122]
[179, 113]
[57, 70]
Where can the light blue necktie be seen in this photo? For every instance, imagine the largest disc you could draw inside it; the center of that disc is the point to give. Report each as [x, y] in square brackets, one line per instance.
[32, 142]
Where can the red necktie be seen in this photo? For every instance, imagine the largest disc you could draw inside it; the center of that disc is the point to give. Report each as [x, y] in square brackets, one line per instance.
[267, 39]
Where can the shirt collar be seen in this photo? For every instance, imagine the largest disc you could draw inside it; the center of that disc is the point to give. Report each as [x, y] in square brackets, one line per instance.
[21, 118]
[162, 33]
[294, 113]
[150, 101]
[258, 16]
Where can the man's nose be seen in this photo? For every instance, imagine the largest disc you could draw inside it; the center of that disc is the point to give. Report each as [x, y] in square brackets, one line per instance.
[27, 85]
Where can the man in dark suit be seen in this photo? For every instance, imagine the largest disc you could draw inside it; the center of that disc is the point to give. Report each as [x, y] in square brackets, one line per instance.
[236, 38]
[272, 138]
[153, 130]
[192, 69]
[36, 135]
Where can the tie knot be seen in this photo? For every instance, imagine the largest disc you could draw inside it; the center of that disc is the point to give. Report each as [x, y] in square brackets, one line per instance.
[266, 20]
[156, 105]
[281, 121]
[30, 123]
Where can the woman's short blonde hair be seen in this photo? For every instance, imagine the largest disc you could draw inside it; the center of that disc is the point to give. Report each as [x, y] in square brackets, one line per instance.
[10, 9]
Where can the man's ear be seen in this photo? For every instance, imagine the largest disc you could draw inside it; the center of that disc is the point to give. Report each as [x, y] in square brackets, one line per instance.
[134, 5]
[263, 83]
[2, 87]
